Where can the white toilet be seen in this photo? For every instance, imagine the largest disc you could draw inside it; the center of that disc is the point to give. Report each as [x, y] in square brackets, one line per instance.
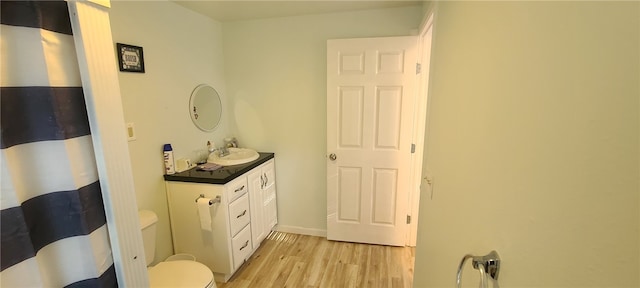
[171, 273]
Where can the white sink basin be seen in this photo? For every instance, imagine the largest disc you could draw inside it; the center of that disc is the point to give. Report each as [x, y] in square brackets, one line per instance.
[236, 156]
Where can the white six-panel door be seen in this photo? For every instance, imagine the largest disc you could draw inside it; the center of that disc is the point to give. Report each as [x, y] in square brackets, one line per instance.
[370, 92]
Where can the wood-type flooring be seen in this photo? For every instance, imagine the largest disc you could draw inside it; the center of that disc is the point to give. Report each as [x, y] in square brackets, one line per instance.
[293, 260]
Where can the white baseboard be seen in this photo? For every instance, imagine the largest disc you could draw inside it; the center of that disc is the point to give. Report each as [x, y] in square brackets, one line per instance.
[301, 230]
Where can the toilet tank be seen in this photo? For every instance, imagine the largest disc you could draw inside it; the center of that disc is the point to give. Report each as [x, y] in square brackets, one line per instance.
[148, 221]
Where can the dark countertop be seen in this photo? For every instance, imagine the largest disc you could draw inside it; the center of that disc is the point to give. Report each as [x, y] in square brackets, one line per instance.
[219, 176]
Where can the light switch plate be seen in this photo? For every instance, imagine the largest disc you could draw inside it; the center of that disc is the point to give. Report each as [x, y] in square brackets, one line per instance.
[131, 132]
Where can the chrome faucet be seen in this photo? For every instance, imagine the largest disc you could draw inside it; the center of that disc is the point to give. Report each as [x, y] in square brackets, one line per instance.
[222, 151]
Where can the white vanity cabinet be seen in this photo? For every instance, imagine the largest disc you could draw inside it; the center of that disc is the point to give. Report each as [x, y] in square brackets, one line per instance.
[262, 195]
[246, 213]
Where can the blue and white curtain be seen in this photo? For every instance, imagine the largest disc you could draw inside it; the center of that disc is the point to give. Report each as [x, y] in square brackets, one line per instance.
[53, 224]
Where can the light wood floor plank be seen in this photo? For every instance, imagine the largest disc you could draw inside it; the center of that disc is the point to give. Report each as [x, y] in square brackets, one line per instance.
[295, 277]
[364, 256]
[293, 260]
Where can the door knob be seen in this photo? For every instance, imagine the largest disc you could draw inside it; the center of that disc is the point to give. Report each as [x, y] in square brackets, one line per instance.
[333, 157]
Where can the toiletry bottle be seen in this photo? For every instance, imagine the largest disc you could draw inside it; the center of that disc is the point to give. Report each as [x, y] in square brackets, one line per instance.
[169, 166]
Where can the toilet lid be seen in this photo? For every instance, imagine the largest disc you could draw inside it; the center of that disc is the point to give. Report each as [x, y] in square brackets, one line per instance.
[180, 273]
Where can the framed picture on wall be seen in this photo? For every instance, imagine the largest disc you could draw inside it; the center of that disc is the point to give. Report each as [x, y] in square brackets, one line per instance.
[130, 58]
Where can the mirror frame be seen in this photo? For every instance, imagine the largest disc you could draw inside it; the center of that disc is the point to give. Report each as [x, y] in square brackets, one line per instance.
[193, 110]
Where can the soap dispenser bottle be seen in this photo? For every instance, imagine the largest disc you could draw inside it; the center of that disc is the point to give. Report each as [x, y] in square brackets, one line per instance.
[169, 166]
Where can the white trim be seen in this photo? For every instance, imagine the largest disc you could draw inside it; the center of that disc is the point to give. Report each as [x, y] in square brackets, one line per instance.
[301, 230]
[420, 122]
[96, 58]
[104, 3]
[429, 17]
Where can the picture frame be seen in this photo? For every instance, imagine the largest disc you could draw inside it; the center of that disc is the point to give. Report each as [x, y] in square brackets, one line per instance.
[130, 58]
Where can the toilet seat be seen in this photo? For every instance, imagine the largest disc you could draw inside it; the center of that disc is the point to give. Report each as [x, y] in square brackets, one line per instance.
[180, 273]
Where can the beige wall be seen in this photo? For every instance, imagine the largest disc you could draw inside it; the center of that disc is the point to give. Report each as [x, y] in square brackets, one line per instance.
[534, 144]
[276, 78]
[181, 50]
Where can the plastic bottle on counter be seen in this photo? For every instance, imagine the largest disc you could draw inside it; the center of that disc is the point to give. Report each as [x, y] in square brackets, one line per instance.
[169, 166]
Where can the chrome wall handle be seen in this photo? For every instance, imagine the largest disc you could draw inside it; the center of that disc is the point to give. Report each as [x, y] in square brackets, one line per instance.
[488, 265]
[490, 262]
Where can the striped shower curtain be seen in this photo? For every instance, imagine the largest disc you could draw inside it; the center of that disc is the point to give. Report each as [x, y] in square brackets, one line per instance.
[53, 224]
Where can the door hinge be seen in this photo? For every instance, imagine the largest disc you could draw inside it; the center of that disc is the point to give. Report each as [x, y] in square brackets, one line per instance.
[408, 219]
[418, 68]
[413, 148]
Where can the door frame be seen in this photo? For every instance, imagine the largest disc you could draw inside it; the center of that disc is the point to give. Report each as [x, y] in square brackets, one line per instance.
[421, 113]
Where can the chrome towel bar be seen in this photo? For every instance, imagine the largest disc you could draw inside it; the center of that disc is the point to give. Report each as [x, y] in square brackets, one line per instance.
[487, 265]
[212, 201]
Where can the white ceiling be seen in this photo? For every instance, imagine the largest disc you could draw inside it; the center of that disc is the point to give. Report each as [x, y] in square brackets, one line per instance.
[234, 10]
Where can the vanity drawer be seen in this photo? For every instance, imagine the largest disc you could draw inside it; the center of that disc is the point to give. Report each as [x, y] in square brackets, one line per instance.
[241, 245]
[237, 188]
[239, 214]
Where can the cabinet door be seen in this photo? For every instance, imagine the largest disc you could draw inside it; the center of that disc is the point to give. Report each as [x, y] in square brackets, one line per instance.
[256, 182]
[269, 196]
[270, 213]
[269, 174]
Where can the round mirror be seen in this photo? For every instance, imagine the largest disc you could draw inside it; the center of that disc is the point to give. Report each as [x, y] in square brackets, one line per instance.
[205, 107]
